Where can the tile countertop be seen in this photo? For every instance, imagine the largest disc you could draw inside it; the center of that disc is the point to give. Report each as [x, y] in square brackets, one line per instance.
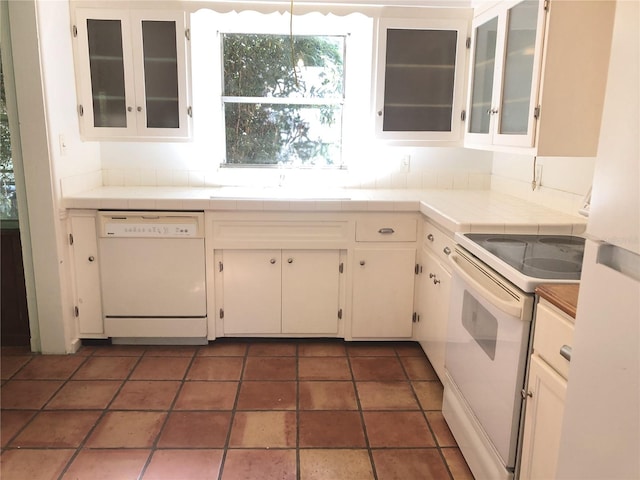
[455, 210]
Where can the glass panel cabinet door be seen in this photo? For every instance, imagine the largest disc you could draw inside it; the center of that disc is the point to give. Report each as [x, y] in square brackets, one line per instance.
[106, 63]
[419, 80]
[160, 74]
[483, 77]
[522, 22]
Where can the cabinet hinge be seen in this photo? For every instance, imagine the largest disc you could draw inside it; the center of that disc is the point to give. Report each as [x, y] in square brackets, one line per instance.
[190, 111]
[546, 5]
[187, 33]
[76, 311]
[221, 313]
[468, 42]
[341, 267]
[220, 266]
[80, 110]
[415, 318]
[71, 239]
[418, 269]
[463, 115]
[536, 112]
[74, 30]
[340, 314]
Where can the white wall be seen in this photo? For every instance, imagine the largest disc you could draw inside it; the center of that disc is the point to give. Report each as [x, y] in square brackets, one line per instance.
[562, 186]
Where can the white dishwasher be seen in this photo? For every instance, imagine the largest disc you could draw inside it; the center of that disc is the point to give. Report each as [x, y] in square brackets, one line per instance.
[153, 276]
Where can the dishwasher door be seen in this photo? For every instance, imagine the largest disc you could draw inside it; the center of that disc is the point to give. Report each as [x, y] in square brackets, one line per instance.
[153, 274]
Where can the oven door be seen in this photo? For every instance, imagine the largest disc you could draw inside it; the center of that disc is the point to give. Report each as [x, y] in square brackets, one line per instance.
[487, 344]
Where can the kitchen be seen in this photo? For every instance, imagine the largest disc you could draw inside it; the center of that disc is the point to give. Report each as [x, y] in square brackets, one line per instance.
[84, 165]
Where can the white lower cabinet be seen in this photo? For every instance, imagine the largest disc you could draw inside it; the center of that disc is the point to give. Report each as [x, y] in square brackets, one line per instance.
[279, 291]
[433, 310]
[545, 392]
[543, 421]
[83, 243]
[383, 287]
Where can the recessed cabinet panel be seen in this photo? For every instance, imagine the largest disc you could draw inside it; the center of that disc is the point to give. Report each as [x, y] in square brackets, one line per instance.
[160, 73]
[419, 80]
[106, 62]
[483, 73]
[519, 68]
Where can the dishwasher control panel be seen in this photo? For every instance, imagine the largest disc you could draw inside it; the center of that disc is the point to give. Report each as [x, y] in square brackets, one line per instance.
[151, 225]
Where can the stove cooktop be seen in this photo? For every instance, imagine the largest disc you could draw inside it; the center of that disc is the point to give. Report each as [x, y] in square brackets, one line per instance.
[536, 258]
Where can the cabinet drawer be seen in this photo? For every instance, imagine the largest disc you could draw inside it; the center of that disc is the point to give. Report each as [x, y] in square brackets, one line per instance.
[386, 229]
[554, 330]
[437, 241]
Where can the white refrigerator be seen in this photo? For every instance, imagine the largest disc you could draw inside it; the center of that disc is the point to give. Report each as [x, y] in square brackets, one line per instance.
[601, 427]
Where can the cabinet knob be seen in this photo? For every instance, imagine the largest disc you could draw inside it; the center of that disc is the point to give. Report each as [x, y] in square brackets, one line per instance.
[430, 237]
[446, 250]
[91, 258]
[289, 260]
[379, 113]
[129, 109]
[362, 263]
[139, 109]
[272, 261]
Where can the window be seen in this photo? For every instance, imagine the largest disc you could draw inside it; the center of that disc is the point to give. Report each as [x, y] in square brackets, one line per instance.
[8, 202]
[283, 99]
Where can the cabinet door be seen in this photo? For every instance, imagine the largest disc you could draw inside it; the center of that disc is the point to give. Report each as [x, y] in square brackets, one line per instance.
[251, 291]
[159, 46]
[419, 96]
[520, 74]
[383, 282]
[310, 291]
[132, 73]
[431, 330]
[485, 37]
[87, 275]
[105, 73]
[546, 392]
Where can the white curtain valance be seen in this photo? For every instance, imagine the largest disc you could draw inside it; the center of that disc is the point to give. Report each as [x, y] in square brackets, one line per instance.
[372, 8]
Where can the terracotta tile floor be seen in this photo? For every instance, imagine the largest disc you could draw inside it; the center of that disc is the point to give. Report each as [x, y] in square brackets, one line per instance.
[232, 410]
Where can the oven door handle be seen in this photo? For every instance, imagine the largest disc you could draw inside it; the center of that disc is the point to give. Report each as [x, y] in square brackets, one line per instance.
[512, 308]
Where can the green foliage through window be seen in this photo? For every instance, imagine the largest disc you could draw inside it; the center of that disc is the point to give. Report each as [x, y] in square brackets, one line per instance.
[8, 204]
[283, 102]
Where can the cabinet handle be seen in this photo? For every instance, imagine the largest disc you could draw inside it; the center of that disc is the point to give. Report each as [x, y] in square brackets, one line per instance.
[91, 258]
[432, 275]
[526, 393]
[430, 237]
[362, 263]
[565, 352]
[289, 260]
[272, 261]
[386, 231]
[436, 281]
[446, 250]
[492, 111]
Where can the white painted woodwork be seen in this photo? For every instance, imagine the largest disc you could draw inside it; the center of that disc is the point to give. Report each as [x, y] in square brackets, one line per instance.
[554, 329]
[454, 20]
[568, 79]
[431, 330]
[86, 272]
[134, 74]
[251, 291]
[310, 291]
[383, 286]
[543, 421]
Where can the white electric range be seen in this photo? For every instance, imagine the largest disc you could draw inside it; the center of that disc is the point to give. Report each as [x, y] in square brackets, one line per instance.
[488, 339]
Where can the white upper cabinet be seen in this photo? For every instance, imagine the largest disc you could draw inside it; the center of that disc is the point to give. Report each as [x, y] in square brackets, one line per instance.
[538, 72]
[132, 74]
[420, 79]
